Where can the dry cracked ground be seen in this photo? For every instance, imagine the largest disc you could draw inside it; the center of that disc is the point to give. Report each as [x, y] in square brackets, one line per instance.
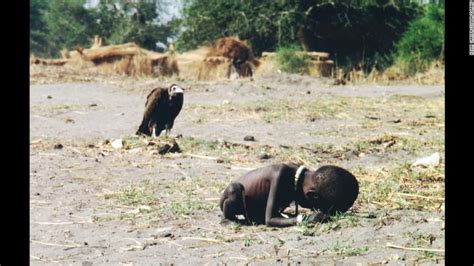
[93, 204]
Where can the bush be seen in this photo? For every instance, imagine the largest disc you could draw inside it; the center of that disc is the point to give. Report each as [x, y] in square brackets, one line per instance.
[289, 60]
[423, 42]
[265, 24]
[361, 37]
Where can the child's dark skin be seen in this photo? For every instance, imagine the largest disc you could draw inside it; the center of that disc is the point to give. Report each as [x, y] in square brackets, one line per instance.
[262, 194]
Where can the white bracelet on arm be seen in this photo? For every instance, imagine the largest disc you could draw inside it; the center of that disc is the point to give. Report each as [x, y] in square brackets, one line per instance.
[299, 219]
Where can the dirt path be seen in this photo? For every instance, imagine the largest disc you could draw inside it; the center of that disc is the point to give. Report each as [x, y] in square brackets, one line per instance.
[93, 203]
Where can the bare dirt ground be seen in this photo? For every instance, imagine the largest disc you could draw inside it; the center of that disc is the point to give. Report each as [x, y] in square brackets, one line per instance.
[93, 204]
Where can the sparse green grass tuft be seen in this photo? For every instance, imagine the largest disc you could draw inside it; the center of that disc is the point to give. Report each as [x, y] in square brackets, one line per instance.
[336, 222]
[347, 218]
[190, 206]
[427, 254]
[131, 142]
[347, 250]
[248, 241]
[179, 197]
[235, 227]
[136, 195]
[193, 143]
[307, 229]
[422, 240]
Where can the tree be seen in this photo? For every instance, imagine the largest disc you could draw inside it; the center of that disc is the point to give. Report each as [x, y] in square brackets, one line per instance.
[423, 42]
[38, 36]
[265, 24]
[138, 22]
[59, 24]
[69, 24]
[360, 37]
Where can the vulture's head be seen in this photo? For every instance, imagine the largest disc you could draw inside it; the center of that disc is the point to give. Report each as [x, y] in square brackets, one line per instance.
[175, 90]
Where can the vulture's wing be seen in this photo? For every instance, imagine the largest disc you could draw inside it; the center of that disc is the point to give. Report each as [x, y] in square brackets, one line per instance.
[153, 92]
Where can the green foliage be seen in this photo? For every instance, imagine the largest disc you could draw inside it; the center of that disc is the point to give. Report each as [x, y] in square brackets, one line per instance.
[131, 22]
[265, 24]
[59, 24]
[361, 37]
[359, 33]
[291, 61]
[423, 42]
[38, 38]
[68, 24]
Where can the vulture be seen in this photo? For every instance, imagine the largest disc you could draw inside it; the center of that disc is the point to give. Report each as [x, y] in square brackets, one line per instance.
[161, 108]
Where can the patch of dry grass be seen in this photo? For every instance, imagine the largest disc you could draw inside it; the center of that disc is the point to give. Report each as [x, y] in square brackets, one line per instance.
[402, 187]
[137, 66]
[170, 199]
[388, 142]
[340, 107]
[434, 75]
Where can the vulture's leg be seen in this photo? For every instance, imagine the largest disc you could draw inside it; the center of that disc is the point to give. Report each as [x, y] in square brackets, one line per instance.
[168, 127]
[153, 133]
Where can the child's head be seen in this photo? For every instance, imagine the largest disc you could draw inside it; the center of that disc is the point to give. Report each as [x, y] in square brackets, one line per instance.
[335, 189]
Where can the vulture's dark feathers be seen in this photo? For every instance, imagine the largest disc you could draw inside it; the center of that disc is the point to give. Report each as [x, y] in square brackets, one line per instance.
[161, 109]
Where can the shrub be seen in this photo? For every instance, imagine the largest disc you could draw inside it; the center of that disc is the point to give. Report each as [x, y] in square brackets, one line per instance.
[291, 60]
[423, 42]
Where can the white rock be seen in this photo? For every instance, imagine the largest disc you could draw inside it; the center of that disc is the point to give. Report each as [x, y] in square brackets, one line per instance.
[144, 208]
[159, 230]
[135, 150]
[432, 160]
[117, 144]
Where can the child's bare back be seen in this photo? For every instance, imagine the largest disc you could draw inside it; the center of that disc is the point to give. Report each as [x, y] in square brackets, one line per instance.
[260, 195]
